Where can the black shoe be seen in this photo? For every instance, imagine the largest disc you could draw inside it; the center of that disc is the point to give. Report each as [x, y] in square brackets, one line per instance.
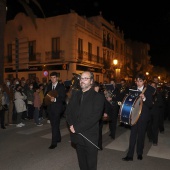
[52, 146]
[150, 140]
[101, 148]
[140, 157]
[113, 137]
[155, 144]
[162, 132]
[58, 141]
[127, 158]
[3, 127]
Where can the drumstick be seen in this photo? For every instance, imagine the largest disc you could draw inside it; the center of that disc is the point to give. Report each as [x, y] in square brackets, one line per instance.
[49, 95]
[143, 91]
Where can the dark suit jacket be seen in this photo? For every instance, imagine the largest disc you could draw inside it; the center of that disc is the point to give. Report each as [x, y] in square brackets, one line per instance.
[85, 116]
[147, 105]
[60, 99]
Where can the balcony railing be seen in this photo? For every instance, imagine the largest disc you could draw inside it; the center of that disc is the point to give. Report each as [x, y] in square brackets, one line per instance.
[53, 55]
[36, 57]
[82, 55]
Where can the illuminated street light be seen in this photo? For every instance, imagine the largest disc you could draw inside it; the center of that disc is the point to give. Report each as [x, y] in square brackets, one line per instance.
[147, 73]
[115, 61]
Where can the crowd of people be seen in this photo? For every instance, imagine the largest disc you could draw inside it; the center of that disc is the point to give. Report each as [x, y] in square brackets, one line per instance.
[90, 106]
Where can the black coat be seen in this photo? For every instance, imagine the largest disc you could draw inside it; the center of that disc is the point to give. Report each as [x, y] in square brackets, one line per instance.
[85, 115]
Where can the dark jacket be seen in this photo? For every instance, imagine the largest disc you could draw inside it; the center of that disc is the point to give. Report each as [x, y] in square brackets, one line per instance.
[147, 105]
[61, 93]
[85, 115]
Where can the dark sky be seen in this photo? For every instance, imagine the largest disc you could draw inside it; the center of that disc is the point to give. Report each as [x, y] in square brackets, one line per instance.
[140, 21]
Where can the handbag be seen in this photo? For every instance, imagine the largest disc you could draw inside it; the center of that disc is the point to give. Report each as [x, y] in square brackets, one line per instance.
[5, 107]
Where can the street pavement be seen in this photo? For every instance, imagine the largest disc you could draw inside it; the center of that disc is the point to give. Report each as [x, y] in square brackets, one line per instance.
[26, 148]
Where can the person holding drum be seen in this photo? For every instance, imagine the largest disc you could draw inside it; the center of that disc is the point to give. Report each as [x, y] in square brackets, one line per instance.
[55, 98]
[138, 130]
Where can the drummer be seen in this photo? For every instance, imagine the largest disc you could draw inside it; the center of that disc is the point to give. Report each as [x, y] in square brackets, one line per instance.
[138, 130]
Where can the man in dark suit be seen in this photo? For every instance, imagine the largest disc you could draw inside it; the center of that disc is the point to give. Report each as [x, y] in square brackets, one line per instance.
[156, 111]
[55, 108]
[83, 114]
[138, 130]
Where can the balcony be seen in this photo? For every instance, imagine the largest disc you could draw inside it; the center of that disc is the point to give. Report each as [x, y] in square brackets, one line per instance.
[35, 58]
[54, 55]
[85, 56]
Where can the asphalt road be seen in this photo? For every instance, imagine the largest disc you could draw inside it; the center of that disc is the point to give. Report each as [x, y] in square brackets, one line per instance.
[26, 148]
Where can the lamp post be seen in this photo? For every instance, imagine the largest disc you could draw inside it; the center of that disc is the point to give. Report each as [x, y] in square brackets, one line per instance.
[115, 63]
[147, 75]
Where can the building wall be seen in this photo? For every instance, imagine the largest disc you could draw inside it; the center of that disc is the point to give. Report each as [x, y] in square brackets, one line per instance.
[69, 27]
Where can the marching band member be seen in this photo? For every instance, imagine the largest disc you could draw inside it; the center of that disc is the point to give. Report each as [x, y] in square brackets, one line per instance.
[161, 117]
[123, 91]
[83, 114]
[137, 134]
[156, 111]
[111, 109]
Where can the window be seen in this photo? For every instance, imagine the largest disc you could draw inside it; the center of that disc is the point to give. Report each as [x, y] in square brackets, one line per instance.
[97, 78]
[89, 51]
[32, 50]
[9, 53]
[98, 56]
[80, 48]
[116, 45]
[121, 49]
[56, 53]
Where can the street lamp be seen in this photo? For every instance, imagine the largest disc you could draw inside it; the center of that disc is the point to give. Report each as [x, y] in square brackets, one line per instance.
[147, 73]
[115, 62]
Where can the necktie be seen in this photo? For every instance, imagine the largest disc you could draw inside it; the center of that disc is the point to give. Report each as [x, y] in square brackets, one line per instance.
[53, 88]
[81, 99]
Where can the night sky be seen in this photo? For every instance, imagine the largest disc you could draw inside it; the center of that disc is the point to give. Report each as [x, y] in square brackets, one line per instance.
[140, 21]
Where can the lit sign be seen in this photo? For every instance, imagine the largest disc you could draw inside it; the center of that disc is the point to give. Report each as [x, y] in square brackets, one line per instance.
[45, 73]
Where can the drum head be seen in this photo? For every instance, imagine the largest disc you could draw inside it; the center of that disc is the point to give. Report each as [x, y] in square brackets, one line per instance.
[136, 111]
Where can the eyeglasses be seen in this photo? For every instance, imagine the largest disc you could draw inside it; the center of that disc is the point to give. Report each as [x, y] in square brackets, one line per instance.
[84, 78]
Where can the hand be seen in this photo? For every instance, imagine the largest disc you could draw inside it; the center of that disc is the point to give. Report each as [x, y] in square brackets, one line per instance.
[52, 99]
[72, 129]
[105, 115]
[142, 96]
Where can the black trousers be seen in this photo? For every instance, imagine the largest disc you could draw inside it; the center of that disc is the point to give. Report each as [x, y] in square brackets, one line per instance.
[2, 114]
[153, 126]
[137, 136]
[87, 156]
[54, 116]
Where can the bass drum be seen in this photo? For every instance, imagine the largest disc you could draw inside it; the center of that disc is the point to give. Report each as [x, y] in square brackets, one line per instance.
[130, 110]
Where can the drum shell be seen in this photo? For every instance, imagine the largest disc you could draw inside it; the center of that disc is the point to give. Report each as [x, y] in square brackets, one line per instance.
[130, 110]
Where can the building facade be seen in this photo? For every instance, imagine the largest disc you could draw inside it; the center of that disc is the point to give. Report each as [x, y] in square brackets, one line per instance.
[66, 44]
